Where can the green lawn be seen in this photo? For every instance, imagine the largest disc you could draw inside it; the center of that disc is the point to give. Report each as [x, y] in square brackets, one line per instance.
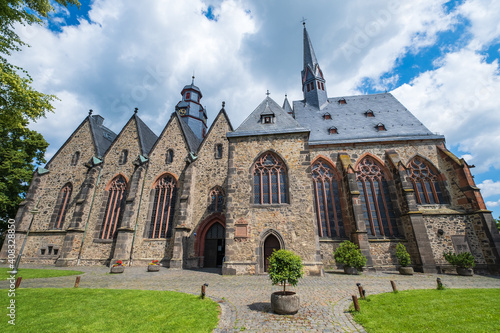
[450, 310]
[32, 273]
[108, 310]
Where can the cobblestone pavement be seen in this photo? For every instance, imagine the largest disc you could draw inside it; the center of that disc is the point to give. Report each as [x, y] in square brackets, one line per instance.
[245, 300]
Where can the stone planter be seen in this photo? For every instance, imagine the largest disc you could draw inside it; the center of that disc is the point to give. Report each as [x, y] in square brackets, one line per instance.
[406, 270]
[153, 268]
[351, 270]
[465, 271]
[285, 303]
[117, 269]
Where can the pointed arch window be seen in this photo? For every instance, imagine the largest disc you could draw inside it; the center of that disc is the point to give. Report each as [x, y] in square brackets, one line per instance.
[62, 204]
[216, 199]
[162, 219]
[425, 181]
[270, 180]
[376, 201]
[327, 195]
[116, 199]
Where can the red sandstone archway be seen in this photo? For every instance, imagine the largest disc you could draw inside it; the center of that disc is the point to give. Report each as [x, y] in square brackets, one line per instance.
[201, 234]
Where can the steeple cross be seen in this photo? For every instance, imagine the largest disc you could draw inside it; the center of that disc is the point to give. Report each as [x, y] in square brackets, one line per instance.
[303, 21]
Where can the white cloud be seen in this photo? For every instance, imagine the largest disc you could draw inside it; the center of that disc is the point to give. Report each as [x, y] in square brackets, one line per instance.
[492, 204]
[489, 188]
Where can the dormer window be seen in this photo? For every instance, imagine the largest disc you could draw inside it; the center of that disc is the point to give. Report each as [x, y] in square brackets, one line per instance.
[380, 127]
[342, 101]
[267, 119]
[327, 116]
[369, 113]
[333, 130]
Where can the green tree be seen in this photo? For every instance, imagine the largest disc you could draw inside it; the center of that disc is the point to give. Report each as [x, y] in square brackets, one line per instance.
[285, 266]
[498, 223]
[20, 148]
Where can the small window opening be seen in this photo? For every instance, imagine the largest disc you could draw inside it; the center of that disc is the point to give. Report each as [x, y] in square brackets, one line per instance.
[188, 95]
[322, 86]
[342, 101]
[50, 250]
[333, 130]
[170, 156]
[308, 88]
[267, 120]
[369, 113]
[327, 116]
[123, 157]
[75, 158]
[56, 251]
[218, 151]
[42, 252]
[319, 85]
[380, 127]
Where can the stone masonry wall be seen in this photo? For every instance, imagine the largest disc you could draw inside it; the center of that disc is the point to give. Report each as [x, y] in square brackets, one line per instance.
[95, 249]
[294, 221]
[61, 173]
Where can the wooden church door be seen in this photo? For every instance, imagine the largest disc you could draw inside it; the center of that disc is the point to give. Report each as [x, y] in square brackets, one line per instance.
[270, 244]
[215, 246]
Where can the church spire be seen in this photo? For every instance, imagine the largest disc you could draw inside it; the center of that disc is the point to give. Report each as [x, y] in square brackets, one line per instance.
[313, 82]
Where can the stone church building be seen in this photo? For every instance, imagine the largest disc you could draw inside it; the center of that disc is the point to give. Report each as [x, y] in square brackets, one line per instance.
[303, 176]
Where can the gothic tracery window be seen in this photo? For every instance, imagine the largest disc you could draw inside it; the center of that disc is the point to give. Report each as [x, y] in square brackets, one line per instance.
[425, 181]
[327, 195]
[62, 205]
[376, 201]
[162, 218]
[216, 199]
[114, 207]
[270, 180]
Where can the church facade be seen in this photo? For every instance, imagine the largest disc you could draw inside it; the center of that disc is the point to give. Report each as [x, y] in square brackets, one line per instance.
[303, 176]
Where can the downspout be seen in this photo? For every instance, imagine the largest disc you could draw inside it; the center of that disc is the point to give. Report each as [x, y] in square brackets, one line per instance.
[137, 217]
[88, 217]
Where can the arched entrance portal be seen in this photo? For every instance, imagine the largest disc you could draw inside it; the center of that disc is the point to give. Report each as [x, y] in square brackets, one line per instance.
[214, 246]
[270, 245]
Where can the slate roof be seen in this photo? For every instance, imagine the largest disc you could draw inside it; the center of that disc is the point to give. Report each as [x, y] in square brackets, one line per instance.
[193, 87]
[282, 122]
[102, 136]
[354, 126]
[286, 106]
[146, 136]
[192, 140]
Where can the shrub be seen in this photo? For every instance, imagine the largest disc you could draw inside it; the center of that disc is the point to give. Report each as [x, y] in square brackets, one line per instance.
[464, 259]
[348, 254]
[285, 266]
[403, 255]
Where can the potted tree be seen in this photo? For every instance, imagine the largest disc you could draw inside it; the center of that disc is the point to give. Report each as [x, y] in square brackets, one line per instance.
[285, 267]
[404, 260]
[349, 255]
[463, 262]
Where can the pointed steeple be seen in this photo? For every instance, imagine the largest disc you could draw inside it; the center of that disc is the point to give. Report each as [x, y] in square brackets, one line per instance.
[313, 82]
[287, 107]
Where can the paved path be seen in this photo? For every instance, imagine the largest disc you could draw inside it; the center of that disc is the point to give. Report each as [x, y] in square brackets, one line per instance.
[245, 300]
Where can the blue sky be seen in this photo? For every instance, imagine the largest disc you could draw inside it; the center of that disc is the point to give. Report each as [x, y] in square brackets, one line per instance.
[439, 58]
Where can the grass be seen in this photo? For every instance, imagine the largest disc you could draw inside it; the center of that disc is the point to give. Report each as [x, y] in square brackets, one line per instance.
[32, 273]
[109, 310]
[449, 310]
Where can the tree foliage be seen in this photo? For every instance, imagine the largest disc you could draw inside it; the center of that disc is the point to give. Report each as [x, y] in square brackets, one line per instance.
[349, 255]
[20, 148]
[402, 255]
[285, 266]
